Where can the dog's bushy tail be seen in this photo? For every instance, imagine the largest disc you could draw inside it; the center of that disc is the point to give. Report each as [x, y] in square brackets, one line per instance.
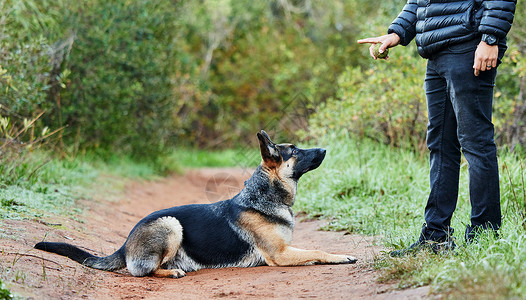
[115, 261]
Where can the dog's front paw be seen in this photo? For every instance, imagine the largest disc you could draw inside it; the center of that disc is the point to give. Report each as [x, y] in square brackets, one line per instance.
[343, 259]
[177, 273]
[351, 260]
[170, 273]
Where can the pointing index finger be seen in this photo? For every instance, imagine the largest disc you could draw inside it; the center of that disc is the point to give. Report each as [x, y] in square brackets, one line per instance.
[368, 40]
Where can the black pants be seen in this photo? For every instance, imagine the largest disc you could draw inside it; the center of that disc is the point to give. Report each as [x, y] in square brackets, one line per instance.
[459, 109]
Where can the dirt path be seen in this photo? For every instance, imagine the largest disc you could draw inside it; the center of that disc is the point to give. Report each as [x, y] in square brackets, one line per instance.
[47, 276]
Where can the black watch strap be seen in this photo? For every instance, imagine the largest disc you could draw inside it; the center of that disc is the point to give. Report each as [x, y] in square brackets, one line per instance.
[490, 39]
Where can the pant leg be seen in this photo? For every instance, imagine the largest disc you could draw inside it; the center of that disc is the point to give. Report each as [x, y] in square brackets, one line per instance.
[445, 155]
[472, 100]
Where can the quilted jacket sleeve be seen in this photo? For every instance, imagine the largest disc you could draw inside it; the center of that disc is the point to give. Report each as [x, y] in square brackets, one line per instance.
[405, 24]
[497, 17]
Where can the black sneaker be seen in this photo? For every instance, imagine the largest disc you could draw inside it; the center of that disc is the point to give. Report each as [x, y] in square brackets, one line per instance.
[441, 246]
[473, 233]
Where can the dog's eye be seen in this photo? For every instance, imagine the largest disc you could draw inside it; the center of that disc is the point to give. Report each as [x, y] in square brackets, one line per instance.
[295, 151]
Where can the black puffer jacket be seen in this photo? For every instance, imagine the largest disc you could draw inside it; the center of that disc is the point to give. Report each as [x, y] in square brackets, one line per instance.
[438, 23]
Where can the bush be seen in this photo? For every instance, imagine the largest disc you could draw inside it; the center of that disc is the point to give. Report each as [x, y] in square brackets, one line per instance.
[119, 95]
[248, 65]
[385, 102]
[101, 69]
[138, 77]
[24, 63]
[510, 96]
[134, 76]
[510, 100]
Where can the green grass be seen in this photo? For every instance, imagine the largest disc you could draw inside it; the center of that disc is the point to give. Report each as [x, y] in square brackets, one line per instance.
[33, 184]
[5, 294]
[373, 189]
[37, 184]
[365, 188]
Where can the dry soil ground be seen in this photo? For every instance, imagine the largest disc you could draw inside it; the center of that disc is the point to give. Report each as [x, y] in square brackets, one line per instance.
[106, 224]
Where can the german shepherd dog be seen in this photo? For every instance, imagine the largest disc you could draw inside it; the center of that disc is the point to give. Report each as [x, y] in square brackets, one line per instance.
[253, 228]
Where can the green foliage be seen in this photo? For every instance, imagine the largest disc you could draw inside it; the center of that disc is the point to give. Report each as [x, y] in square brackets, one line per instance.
[24, 61]
[510, 100]
[138, 77]
[119, 96]
[5, 294]
[23, 72]
[100, 69]
[510, 96]
[518, 30]
[384, 102]
[250, 65]
[132, 76]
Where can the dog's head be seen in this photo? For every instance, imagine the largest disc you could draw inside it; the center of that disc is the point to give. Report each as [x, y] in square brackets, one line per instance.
[287, 160]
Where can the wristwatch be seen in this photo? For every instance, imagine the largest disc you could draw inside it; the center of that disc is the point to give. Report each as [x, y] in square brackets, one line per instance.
[490, 39]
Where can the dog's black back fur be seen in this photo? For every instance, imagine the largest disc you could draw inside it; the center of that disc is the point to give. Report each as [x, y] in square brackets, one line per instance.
[222, 245]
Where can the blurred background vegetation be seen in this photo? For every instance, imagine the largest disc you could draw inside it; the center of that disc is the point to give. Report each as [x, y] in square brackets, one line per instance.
[142, 77]
[126, 87]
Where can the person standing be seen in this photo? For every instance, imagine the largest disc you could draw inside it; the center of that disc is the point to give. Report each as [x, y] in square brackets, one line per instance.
[463, 42]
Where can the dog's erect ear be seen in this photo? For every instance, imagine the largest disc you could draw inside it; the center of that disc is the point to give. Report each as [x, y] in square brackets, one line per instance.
[269, 152]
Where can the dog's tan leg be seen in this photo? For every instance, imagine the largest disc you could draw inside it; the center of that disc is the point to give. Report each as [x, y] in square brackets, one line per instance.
[273, 242]
[173, 273]
[291, 256]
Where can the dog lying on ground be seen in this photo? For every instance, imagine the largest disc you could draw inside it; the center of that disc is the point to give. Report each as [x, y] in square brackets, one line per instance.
[253, 228]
